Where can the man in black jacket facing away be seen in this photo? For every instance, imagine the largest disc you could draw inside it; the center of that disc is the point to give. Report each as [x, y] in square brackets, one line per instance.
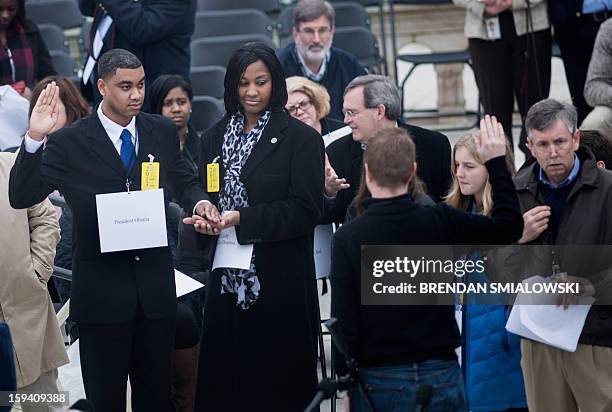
[394, 344]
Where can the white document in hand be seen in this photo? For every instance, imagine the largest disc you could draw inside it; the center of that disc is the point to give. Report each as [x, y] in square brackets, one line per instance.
[546, 322]
[322, 250]
[230, 253]
[134, 220]
[185, 284]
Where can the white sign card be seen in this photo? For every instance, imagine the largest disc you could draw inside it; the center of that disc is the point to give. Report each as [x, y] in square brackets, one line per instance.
[548, 323]
[231, 254]
[322, 250]
[131, 220]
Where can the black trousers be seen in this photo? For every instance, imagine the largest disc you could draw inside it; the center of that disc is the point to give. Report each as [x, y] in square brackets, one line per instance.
[512, 66]
[141, 348]
[576, 38]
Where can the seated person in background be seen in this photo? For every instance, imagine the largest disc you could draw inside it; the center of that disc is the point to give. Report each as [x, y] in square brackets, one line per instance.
[313, 56]
[407, 346]
[171, 96]
[600, 145]
[309, 102]
[24, 58]
[598, 86]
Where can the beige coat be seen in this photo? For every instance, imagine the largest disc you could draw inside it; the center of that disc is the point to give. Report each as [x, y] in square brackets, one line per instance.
[27, 248]
[475, 17]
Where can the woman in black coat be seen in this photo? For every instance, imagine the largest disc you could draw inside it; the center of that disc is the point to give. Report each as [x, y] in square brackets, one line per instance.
[24, 58]
[259, 341]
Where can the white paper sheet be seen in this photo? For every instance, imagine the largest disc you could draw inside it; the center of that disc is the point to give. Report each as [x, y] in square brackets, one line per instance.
[331, 137]
[547, 323]
[13, 117]
[322, 250]
[134, 220]
[185, 284]
[231, 254]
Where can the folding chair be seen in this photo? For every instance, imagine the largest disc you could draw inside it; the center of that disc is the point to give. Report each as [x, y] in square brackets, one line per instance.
[64, 64]
[54, 37]
[267, 6]
[362, 44]
[62, 13]
[459, 56]
[207, 81]
[206, 112]
[216, 51]
[231, 22]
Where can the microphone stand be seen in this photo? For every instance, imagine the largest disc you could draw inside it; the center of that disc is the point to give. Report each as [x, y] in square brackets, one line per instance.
[329, 387]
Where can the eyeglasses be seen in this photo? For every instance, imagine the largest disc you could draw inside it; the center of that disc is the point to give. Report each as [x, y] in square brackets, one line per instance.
[303, 106]
[559, 144]
[321, 31]
[350, 113]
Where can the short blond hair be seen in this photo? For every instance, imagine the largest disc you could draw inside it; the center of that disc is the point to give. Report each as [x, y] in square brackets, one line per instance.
[316, 93]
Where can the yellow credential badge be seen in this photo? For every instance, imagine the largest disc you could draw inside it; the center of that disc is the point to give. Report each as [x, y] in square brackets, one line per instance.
[150, 176]
[212, 177]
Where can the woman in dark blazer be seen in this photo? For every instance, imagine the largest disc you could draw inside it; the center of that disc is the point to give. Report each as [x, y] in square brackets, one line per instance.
[260, 326]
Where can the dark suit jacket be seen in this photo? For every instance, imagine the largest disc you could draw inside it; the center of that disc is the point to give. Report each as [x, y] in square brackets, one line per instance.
[433, 167]
[81, 161]
[158, 32]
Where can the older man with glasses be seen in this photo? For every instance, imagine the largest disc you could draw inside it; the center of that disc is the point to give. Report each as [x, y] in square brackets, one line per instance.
[311, 54]
[567, 204]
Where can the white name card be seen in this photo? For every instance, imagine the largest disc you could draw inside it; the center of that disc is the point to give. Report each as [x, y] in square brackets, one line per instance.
[322, 250]
[134, 220]
[230, 253]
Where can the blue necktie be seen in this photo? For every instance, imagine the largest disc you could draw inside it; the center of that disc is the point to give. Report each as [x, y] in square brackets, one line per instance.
[127, 150]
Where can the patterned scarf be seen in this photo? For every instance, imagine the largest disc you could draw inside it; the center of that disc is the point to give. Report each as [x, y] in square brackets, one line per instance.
[237, 147]
[16, 59]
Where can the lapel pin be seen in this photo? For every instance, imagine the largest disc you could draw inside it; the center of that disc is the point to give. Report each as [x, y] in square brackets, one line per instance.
[274, 140]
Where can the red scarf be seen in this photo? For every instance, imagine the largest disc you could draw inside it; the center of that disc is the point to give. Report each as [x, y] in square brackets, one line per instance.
[16, 59]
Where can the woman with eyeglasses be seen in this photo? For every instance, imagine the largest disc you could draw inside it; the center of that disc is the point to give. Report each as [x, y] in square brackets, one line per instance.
[263, 171]
[309, 102]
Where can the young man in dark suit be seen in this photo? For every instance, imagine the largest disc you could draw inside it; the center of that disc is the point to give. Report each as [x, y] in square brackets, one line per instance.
[158, 32]
[124, 302]
[372, 103]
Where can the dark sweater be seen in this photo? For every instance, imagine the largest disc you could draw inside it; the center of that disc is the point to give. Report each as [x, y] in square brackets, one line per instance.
[341, 69]
[556, 199]
[395, 335]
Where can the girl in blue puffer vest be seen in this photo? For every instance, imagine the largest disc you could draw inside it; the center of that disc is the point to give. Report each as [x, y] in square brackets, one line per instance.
[490, 355]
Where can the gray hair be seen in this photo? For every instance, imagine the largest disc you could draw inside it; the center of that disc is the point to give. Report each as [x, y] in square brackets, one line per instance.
[378, 90]
[545, 113]
[309, 10]
[116, 59]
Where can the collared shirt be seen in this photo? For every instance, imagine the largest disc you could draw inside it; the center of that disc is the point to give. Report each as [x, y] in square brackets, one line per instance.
[113, 130]
[307, 72]
[569, 179]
